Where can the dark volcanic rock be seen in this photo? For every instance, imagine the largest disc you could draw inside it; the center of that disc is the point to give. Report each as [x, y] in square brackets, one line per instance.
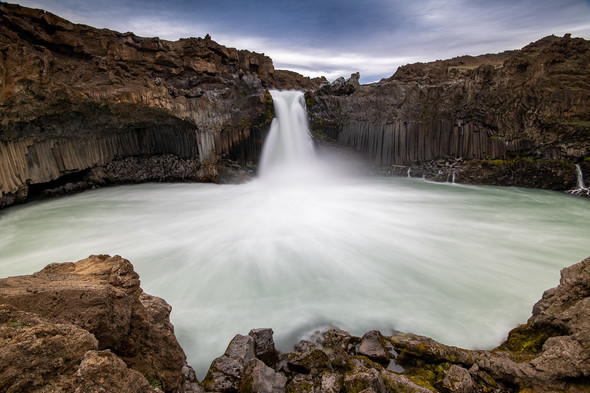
[227, 371]
[533, 103]
[374, 347]
[73, 98]
[259, 378]
[264, 345]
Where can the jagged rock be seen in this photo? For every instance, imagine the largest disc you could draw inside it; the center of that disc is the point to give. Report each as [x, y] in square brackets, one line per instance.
[564, 311]
[457, 380]
[103, 371]
[331, 383]
[374, 347]
[36, 353]
[101, 294]
[307, 359]
[191, 383]
[226, 371]
[363, 379]
[302, 383]
[264, 345]
[259, 378]
[340, 86]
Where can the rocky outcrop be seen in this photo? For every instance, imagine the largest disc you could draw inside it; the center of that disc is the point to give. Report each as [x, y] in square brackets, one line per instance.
[532, 103]
[88, 327]
[73, 98]
[550, 353]
[83, 324]
[547, 354]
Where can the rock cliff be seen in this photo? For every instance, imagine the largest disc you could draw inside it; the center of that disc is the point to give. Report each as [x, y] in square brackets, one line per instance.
[82, 107]
[88, 327]
[73, 97]
[531, 103]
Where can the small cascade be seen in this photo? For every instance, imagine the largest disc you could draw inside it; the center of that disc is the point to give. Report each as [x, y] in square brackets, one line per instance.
[409, 172]
[453, 179]
[581, 188]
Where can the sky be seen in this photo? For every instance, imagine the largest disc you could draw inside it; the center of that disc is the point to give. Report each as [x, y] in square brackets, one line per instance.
[334, 38]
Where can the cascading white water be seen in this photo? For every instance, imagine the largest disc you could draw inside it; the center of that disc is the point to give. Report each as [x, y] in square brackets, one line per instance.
[461, 264]
[580, 176]
[581, 186]
[288, 151]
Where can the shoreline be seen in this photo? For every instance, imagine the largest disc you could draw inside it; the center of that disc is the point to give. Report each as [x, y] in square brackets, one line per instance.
[548, 353]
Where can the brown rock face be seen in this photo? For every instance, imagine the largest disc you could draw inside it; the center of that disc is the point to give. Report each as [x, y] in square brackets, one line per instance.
[532, 103]
[73, 97]
[35, 353]
[46, 345]
[101, 296]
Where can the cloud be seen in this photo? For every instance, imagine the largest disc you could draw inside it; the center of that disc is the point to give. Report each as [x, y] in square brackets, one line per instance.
[338, 37]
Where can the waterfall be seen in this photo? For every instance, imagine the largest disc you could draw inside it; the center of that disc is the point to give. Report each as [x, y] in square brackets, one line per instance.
[580, 176]
[581, 186]
[288, 150]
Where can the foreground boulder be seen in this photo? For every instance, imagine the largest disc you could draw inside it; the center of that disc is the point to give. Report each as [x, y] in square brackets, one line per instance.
[86, 321]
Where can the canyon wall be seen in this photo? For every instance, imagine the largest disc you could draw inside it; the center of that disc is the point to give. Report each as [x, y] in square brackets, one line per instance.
[532, 103]
[73, 97]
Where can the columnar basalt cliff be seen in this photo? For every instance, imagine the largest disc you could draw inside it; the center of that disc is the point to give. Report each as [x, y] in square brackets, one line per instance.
[532, 103]
[73, 97]
[88, 327]
[82, 107]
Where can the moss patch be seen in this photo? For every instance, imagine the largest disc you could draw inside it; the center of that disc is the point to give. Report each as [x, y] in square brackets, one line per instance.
[155, 383]
[429, 376]
[15, 325]
[525, 342]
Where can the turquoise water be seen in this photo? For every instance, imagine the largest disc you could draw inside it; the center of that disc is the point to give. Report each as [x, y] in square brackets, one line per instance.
[461, 264]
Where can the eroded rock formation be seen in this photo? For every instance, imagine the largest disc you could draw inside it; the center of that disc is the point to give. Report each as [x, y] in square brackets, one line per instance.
[533, 103]
[73, 97]
[88, 326]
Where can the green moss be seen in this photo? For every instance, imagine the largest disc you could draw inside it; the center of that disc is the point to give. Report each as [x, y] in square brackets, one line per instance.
[15, 325]
[579, 123]
[429, 376]
[245, 122]
[460, 70]
[155, 383]
[392, 386]
[300, 387]
[525, 342]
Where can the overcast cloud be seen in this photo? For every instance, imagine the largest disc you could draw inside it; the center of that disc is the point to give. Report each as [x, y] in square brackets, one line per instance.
[338, 37]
